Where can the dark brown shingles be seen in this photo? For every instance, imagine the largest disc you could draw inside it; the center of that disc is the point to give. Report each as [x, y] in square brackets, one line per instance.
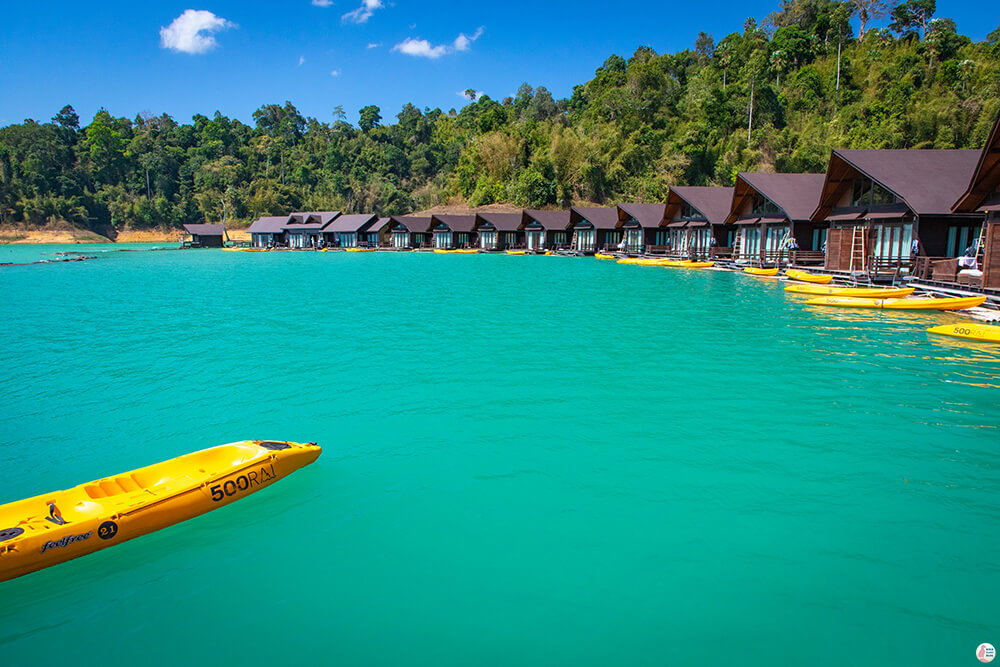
[504, 222]
[795, 194]
[350, 223]
[713, 203]
[549, 219]
[272, 224]
[456, 223]
[647, 215]
[600, 217]
[205, 230]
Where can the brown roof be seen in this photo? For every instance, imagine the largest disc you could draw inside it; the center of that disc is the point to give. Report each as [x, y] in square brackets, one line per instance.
[350, 223]
[205, 230]
[647, 215]
[600, 217]
[986, 177]
[549, 219]
[928, 181]
[795, 194]
[505, 222]
[712, 203]
[378, 225]
[413, 223]
[310, 220]
[272, 224]
[456, 223]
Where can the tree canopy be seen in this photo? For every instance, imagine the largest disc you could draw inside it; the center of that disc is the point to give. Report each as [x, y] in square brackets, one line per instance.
[640, 125]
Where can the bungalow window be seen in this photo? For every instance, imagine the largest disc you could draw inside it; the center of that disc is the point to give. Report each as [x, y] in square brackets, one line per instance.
[487, 239]
[662, 237]
[678, 239]
[892, 242]
[962, 237]
[510, 238]
[584, 239]
[750, 242]
[461, 239]
[400, 239]
[866, 192]
[442, 239]
[633, 239]
[818, 239]
[775, 238]
[535, 239]
[687, 211]
[348, 240]
[764, 206]
[559, 238]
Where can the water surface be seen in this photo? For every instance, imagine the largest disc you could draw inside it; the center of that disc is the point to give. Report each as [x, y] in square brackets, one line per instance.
[527, 460]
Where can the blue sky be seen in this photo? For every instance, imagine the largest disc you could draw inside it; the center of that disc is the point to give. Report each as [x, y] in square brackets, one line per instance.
[131, 57]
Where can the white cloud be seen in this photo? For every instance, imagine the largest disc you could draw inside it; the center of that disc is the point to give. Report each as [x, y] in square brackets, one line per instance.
[322, 3]
[191, 32]
[335, 72]
[478, 93]
[374, 45]
[362, 13]
[421, 48]
[462, 42]
[302, 60]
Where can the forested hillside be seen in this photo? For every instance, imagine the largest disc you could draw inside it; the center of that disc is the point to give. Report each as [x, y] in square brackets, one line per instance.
[640, 125]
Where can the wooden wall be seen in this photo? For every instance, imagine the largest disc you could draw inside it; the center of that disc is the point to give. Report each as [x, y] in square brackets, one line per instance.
[838, 248]
[991, 258]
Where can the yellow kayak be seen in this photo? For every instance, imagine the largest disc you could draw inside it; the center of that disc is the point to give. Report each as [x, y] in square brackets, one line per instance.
[360, 249]
[684, 264]
[601, 255]
[807, 277]
[755, 271]
[56, 527]
[985, 332]
[836, 290]
[516, 252]
[456, 251]
[949, 303]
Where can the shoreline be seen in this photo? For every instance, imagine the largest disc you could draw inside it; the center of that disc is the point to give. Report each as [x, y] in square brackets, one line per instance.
[12, 235]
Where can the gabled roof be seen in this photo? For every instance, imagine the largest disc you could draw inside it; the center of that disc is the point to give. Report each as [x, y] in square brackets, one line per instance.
[205, 230]
[350, 223]
[413, 223]
[986, 178]
[378, 225]
[796, 195]
[548, 219]
[712, 203]
[600, 217]
[310, 220]
[456, 223]
[272, 224]
[929, 182]
[504, 222]
[647, 215]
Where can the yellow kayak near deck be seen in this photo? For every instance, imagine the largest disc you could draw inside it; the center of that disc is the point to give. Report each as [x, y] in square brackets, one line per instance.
[930, 303]
[360, 249]
[807, 277]
[601, 255]
[754, 271]
[55, 527]
[989, 333]
[685, 264]
[863, 292]
[515, 252]
[456, 251]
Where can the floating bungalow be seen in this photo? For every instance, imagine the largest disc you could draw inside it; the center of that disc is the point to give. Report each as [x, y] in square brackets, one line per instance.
[890, 211]
[593, 229]
[772, 214]
[344, 230]
[205, 236]
[640, 224]
[453, 231]
[546, 230]
[268, 232]
[409, 231]
[499, 231]
[983, 197]
[376, 235]
[305, 229]
[695, 222]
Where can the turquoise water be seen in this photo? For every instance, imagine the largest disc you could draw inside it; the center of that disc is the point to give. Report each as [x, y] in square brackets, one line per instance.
[527, 460]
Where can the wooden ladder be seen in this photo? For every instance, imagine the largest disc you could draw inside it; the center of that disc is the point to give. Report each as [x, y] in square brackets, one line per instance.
[981, 247]
[737, 240]
[859, 249]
